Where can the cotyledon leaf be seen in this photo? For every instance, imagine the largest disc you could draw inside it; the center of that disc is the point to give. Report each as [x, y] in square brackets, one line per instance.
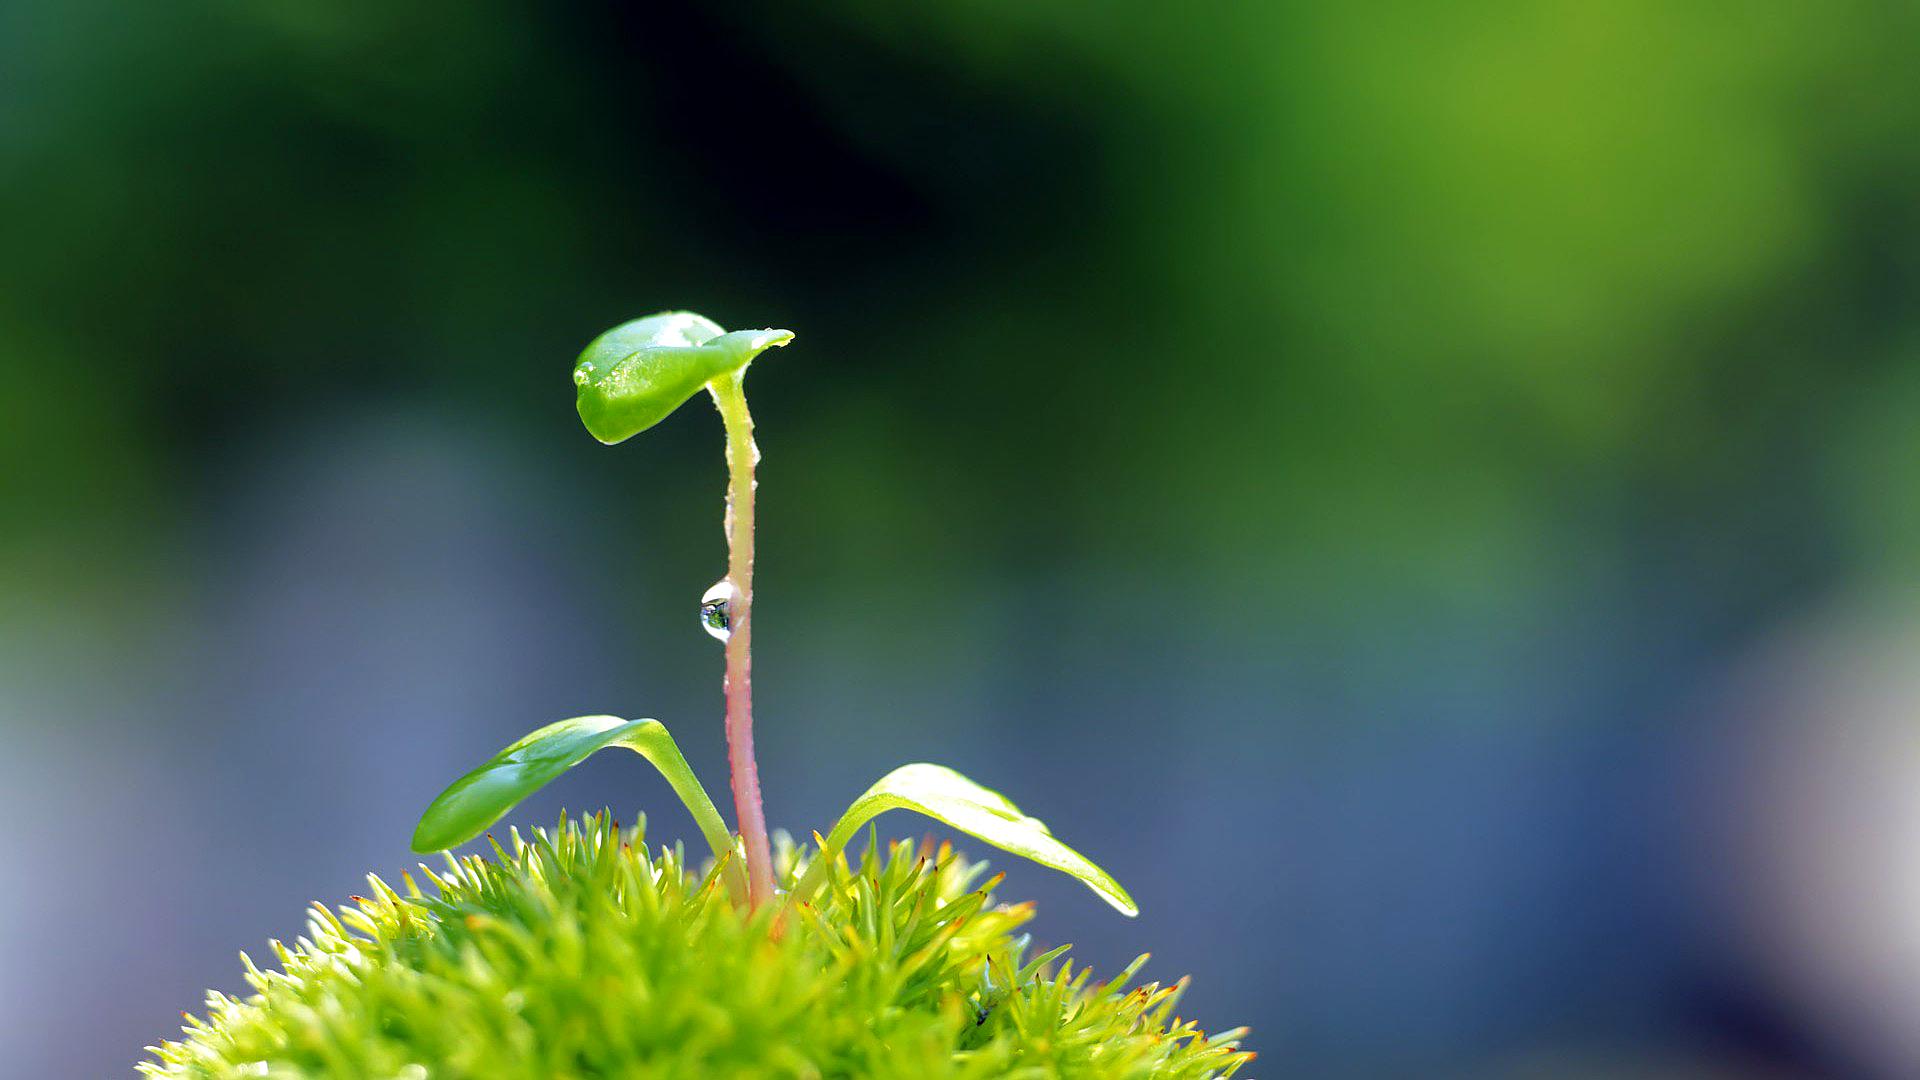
[631, 377]
[481, 797]
[946, 795]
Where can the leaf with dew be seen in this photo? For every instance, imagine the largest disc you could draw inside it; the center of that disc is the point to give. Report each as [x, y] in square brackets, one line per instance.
[634, 375]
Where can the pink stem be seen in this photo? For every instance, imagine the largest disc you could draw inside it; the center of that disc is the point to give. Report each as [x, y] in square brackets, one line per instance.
[742, 456]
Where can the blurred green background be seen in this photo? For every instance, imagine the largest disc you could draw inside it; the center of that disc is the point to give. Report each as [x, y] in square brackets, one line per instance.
[1428, 494]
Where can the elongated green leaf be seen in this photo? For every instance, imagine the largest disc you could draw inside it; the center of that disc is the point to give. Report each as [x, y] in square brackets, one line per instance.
[481, 797]
[941, 793]
[631, 377]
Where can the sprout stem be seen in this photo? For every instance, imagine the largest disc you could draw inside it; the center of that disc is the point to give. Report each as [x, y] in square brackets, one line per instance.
[729, 394]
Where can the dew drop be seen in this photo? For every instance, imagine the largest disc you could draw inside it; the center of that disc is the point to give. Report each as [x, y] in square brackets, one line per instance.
[581, 374]
[715, 618]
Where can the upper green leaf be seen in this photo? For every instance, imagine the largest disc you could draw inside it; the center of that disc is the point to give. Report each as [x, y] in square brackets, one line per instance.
[478, 799]
[941, 793]
[635, 374]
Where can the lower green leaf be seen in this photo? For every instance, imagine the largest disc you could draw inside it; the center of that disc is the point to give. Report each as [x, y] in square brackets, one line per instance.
[483, 796]
[947, 796]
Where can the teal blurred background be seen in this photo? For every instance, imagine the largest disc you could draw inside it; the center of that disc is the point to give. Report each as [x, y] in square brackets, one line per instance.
[1429, 495]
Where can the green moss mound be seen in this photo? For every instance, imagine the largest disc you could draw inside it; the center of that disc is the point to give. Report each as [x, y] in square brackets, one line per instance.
[579, 953]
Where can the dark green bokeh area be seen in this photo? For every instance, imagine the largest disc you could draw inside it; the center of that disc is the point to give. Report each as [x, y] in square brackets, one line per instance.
[1391, 482]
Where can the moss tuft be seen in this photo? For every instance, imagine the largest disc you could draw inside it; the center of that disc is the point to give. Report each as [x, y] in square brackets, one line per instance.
[580, 953]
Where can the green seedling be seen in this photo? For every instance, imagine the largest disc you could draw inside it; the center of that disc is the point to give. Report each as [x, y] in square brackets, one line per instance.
[629, 379]
[583, 951]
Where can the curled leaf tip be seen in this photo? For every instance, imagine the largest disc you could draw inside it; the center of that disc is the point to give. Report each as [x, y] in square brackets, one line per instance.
[634, 375]
[767, 339]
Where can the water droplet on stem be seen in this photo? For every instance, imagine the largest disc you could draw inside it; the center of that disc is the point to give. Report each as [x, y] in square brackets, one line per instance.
[716, 616]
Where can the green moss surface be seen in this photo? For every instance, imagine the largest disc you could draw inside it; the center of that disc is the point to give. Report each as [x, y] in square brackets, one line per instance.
[578, 952]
